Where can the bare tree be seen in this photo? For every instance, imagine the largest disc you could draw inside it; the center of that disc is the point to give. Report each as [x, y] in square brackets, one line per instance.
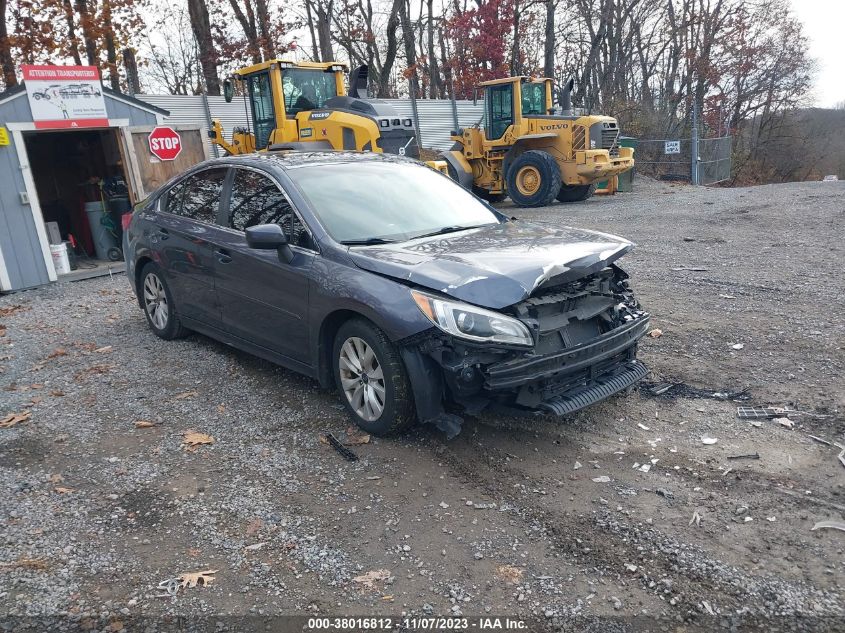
[201, 28]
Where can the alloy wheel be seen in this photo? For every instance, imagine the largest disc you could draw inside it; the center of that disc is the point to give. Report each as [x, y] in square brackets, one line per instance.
[362, 378]
[155, 301]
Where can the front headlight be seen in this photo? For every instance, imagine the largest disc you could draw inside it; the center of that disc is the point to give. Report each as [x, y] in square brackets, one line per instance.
[472, 323]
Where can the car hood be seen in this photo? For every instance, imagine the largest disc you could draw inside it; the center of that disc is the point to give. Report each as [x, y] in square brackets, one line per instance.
[494, 266]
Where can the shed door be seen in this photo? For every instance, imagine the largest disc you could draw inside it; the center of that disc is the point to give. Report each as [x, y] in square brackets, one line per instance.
[148, 172]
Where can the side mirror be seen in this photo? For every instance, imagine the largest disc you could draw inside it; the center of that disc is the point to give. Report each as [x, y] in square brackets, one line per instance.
[228, 90]
[268, 237]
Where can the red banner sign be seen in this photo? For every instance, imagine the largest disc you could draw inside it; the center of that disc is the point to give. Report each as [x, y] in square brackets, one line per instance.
[65, 96]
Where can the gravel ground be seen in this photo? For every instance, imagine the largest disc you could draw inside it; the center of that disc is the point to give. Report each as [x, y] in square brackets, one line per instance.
[620, 518]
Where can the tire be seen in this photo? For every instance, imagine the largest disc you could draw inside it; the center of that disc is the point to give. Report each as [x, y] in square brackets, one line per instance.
[352, 342]
[484, 194]
[115, 254]
[575, 193]
[533, 179]
[155, 294]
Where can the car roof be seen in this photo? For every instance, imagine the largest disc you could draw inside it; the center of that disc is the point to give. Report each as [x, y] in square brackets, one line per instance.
[290, 159]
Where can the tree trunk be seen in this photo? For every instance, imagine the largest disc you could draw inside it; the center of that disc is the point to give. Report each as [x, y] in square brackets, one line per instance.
[315, 52]
[436, 89]
[131, 66]
[6, 61]
[246, 18]
[390, 52]
[267, 45]
[201, 26]
[410, 50]
[87, 32]
[111, 50]
[73, 41]
[549, 42]
[324, 28]
[515, 49]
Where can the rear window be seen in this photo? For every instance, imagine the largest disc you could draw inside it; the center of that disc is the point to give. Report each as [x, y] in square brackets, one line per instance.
[198, 196]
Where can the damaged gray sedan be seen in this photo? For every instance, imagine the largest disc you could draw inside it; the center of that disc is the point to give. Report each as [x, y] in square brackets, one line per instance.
[387, 280]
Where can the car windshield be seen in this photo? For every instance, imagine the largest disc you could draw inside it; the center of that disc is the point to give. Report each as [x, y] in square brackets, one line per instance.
[373, 201]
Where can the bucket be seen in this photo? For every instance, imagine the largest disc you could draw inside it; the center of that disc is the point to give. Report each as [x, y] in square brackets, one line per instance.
[103, 239]
[60, 258]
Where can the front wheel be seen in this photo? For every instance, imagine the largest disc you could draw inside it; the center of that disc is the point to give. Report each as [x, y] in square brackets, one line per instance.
[371, 379]
[575, 193]
[533, 179]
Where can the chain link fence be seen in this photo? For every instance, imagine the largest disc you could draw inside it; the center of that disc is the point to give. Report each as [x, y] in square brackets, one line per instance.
[672, 159]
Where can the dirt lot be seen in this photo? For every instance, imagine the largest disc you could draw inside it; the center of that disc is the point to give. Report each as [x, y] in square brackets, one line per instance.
[553, 521]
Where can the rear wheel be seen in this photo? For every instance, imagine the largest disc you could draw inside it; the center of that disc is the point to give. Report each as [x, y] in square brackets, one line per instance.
[159, 307]
[575, 193]
[533, 179]
[371, 379]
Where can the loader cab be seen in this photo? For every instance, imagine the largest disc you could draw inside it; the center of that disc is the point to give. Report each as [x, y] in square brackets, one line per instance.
[508, 101]
[277, 90]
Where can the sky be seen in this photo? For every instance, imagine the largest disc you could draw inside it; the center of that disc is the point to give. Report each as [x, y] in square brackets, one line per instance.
[823, 21]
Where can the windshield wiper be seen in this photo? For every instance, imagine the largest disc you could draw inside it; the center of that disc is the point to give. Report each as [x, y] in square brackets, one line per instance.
[367, 242]
[447, 229]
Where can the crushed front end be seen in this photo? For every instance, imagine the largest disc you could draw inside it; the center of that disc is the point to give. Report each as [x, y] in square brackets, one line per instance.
[585, 335]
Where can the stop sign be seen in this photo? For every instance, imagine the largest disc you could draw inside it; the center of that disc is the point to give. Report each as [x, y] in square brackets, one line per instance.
[165, 143]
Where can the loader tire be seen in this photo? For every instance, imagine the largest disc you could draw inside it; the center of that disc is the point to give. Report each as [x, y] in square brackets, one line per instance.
[575, 193]
[533, 179]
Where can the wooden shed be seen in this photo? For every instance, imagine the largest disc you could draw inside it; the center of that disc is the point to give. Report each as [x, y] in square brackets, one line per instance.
[54, 175]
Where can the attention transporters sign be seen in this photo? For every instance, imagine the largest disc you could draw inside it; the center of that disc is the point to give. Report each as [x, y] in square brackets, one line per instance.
[65, 96]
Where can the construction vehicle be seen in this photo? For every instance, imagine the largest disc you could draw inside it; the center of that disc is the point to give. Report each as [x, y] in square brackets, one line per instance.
[305, 106]
[531, 151]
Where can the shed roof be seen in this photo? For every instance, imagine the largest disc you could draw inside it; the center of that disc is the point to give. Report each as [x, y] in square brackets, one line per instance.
[20, 89]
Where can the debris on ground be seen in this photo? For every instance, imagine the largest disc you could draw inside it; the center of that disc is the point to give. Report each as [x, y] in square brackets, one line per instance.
[656, 333]
[370, 579]
[510, 574]
[37, 564]
[784, 422]
[145, 424]
[576, 466]
[355, 437]
[706, 439]
[15, 418]
[832, 525]
[197, 578]
[335, 443]
[643, 426]
[746, 456]
[185, 395]
[757, 413]
[603, 479]
[696, 518]
[192, 439]
[738, 346]
[690, 269]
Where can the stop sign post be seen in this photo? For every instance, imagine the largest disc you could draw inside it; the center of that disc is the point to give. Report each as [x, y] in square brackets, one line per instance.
[165, 143]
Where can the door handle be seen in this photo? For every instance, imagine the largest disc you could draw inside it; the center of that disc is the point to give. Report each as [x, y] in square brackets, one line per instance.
[223, 256]
[163, 234]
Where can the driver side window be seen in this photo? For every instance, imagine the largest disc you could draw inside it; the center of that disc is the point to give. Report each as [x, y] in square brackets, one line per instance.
[258, 200]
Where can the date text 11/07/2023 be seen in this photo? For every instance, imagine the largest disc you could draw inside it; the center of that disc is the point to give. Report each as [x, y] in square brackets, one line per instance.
[435, 624]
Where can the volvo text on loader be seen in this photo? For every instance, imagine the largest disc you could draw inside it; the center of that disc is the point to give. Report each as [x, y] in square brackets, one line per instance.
[528, 152]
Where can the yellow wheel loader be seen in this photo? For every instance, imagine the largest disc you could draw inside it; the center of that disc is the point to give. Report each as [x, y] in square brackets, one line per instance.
[528, 150]
[305, 106]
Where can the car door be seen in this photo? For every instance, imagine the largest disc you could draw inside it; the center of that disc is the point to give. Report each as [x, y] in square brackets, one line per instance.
[263, 298]
[183, 236]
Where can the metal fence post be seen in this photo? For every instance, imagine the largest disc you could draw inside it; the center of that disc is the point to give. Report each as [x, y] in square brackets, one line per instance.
[694, 152]
[412, 81]
[208, 122]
